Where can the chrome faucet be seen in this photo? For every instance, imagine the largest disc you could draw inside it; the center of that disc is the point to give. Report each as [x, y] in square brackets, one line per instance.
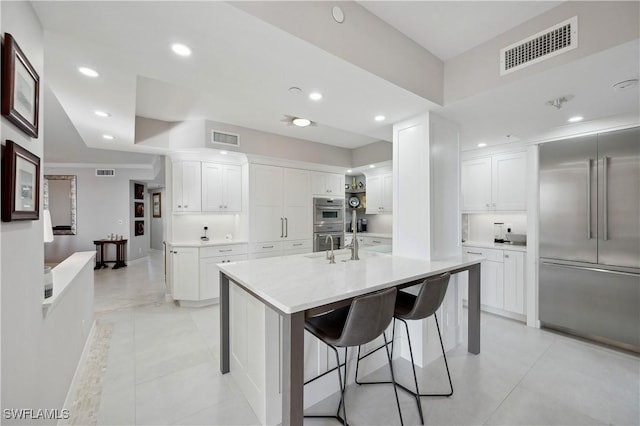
[354, 242]
[331, 257]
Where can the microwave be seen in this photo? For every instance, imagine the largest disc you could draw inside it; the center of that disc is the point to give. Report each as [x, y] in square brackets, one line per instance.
[328, 210]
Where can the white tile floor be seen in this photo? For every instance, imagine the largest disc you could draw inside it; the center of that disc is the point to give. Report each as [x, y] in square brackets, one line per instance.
[162, 368]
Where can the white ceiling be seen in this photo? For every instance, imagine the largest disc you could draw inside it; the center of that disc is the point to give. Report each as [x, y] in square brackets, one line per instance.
[241, 69]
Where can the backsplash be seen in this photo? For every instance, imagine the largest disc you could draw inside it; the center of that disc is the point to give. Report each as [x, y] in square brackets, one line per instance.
[379, 223]
[479, 227]
[191, 227]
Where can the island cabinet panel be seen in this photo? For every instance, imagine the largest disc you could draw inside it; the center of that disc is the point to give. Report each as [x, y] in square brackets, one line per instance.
[280, 211]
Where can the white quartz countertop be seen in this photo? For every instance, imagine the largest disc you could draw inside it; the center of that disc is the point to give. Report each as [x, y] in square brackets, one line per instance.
[211, 243]
[299, 282]
[498, 246]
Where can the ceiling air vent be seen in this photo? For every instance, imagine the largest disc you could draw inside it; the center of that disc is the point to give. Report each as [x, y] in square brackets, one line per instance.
[224, 138]
[105, 172]
[548, 43]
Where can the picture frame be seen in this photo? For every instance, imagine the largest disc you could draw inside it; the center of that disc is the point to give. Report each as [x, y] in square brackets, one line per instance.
[138, 191]
[157, 204]
[20, 88]
[20, 184]
[139, 228]
[138, 209]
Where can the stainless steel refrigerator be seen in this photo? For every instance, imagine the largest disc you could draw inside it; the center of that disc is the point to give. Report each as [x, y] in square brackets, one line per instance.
[589, 266]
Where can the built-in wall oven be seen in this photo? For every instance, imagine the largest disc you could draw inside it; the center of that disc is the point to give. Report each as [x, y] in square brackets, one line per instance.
[328, 219]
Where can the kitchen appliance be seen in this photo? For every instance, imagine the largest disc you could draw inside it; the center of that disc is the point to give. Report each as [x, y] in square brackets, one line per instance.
[328, 220]
[363, 225]
[498, 232]
[589, 266]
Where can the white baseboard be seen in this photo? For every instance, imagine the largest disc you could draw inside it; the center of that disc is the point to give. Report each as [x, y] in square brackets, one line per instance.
[71, 392]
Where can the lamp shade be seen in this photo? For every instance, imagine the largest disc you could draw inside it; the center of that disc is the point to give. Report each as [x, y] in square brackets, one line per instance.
[48, 228]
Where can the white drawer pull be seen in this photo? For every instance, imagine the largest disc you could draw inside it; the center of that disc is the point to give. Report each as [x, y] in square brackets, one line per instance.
[474, 252]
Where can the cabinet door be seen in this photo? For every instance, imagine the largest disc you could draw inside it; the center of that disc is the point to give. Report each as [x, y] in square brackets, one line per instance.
[514, 281]
[374, 194]
[232, 188]
[476, 184]
[185, 273]
[212, 187]
[387, 193]
[335, 184]
[267, 220]
[191, 186]
[210, 275]
[297, 205]
[492, 290]
[176, 179]
[509, 185]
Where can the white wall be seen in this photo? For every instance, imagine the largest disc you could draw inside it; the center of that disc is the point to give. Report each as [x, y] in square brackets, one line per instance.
[104, 206]
[157, 225]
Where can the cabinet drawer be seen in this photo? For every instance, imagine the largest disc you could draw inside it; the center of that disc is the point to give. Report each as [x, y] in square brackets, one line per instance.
[297, 245]
[490, 254]
[229, 250]
[266, 247]
[376, 241]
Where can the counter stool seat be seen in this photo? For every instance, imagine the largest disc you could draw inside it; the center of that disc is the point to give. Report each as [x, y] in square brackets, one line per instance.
[364, 320]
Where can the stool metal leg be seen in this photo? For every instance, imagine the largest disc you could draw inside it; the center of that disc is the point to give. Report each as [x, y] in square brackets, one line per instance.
[416, 395]
[393, 379]
[343, 418]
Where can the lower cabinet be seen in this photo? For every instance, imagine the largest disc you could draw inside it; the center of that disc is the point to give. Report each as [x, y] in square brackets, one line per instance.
[280, 248]
[502, 278]
[194, 273]
[367, 241]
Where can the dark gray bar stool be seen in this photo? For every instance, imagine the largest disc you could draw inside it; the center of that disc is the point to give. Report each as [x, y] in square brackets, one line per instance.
[411, 307]
[363, 321]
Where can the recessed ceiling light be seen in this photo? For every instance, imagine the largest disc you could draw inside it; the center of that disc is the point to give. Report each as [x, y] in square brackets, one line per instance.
[301, 122]
[315, 96]
[379, 118]
[349, 171]
[223, 152]
[482, 145]
[88, 72]
[108, 137]
[101, 113]
[180, 49]
[576, 119]
[371, 166]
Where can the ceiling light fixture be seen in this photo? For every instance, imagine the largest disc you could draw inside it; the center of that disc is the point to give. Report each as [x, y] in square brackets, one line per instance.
[295, 90]
[558, 102]
[88, 72]
[371, 166]
[223, 152]
[315, 96]
[338, 14]
[380, 117]
[575, 119]
[301, 122]
[181, 49]
[482, 145]
[108, 137]
[349, 171]
[102, 114]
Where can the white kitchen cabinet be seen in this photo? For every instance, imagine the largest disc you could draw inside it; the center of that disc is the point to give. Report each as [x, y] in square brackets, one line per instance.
[280, 210]
[380, 194]
[496, 183]
[327, 184]
[187, 186]
[514, 281]
[185, 280]
[368, 241]
[210, 257]
[502, 278]
[221, 187]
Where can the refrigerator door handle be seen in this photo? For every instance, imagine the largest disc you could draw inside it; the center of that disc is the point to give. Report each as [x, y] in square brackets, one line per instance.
[605, 213]
[584, 268]
[589, 199]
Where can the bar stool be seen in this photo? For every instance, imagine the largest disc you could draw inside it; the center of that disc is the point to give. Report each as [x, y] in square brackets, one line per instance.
[364, 320]
[419, 307]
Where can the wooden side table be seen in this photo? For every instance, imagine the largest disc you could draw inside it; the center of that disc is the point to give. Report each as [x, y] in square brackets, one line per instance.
[121, 247]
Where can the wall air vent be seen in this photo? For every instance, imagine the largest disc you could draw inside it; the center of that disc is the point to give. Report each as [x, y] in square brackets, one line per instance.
[105, 172]
[224, 138]
[548, 43]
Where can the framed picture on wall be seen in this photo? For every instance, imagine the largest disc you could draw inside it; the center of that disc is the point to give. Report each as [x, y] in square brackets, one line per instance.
[20, 184]
[139, 225]
[20, 88]
[139, 209]
[138, 191]
[157, 205]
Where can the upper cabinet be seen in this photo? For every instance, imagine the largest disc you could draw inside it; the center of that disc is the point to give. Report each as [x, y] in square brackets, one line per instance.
[186, 186]
[496, 183]
[327, 184]
[221, 187]
[380, 193]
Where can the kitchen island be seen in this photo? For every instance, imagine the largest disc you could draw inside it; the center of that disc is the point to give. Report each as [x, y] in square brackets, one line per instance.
[300, 286]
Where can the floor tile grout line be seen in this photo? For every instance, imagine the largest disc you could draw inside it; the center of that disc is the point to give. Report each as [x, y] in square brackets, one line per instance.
[524, 376]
